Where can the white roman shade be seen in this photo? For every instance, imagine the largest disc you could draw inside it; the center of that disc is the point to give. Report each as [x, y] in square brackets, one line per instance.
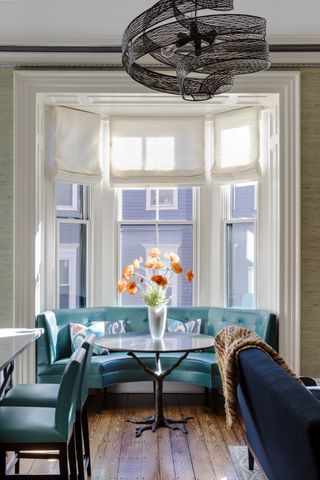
[156, 150]
[236, 146]
[78, 157]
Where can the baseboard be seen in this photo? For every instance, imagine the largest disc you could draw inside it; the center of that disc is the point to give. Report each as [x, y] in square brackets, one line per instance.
[147, 387]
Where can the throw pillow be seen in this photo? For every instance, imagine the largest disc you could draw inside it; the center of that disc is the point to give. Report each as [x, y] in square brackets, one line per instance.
[79, 332]
[192, 326]
[119, 326]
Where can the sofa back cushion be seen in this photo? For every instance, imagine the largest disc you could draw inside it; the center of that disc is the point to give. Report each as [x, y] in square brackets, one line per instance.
[262, 322]
[56, 343]
[282, 418]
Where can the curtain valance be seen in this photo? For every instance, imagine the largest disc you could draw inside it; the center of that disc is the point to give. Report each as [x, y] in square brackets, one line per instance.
[236, 151]
[156, 150]
[78, 156]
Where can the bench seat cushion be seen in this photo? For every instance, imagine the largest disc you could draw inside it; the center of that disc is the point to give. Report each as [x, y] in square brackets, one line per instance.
[118, 367]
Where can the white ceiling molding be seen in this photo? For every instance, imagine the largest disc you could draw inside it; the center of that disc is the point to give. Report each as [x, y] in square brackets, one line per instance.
[113, 59]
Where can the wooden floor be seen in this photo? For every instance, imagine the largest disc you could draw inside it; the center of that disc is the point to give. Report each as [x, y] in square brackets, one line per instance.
[117, 454]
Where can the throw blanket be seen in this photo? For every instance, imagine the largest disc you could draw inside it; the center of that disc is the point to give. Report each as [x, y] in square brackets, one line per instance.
[228, 343]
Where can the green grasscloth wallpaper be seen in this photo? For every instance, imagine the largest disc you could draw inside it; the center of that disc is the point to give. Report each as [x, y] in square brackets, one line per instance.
[310, 210]
[6, 197]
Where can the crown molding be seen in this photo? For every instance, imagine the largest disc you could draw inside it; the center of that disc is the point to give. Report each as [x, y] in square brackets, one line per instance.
[284, 51]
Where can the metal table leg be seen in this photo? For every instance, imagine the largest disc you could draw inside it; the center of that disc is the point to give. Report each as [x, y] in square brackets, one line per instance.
[159, 419]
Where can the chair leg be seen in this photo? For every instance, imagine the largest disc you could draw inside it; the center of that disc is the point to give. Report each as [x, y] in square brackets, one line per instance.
[79, 445]
[86, 440]
[215, 398]
[250, 459]
[63, 463]
[17, 464]
[3, 463]
[72, 458]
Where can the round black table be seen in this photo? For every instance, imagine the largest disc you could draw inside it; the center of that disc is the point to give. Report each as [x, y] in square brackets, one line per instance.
[171, 343]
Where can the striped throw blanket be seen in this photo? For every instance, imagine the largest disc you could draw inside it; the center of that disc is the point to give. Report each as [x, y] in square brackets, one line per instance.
[228, 343]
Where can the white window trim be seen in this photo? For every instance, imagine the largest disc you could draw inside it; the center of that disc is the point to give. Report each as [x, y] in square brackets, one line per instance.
[29, 211]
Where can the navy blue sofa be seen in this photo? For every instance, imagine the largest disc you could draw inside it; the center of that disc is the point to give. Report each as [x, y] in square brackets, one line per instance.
[282, 419]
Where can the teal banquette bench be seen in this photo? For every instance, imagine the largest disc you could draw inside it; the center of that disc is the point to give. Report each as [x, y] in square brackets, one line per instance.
[54, 347]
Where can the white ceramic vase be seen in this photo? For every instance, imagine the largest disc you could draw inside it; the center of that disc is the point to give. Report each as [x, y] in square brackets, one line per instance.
[157, 317]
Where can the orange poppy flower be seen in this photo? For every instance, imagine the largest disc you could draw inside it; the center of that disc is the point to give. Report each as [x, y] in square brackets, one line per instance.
[131, 288]
[189, 275]
[160, 280]
[174, 258]
[150, 263]
[136, 263]
[128, 271]
[121, 286]
[155, 252]
[176, 267]
[158, 265]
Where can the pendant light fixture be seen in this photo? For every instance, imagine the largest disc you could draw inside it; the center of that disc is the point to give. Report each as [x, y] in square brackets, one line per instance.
[202, 52]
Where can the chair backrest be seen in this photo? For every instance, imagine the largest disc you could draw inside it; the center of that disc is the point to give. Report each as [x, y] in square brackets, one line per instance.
[68, 393]
[87, 344]
[282, 418]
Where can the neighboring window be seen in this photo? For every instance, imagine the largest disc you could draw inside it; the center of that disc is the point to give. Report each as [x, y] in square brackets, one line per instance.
[162, 198]
[72, 241]
[241, 245]
[140, 229]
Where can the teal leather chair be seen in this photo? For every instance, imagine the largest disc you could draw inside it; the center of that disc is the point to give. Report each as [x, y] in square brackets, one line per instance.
[46, 395]
[46, 428]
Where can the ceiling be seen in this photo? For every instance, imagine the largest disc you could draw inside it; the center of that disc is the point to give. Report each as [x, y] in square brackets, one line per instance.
[102, 22]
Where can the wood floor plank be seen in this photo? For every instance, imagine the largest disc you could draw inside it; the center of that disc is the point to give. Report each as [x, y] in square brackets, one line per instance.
[218, 450]
[106, 441]
[139, 455]
[200, 456]
[165, 455]
[180, 448]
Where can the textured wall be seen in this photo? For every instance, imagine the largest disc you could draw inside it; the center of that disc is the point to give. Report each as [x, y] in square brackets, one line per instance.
[6, 199]
[310, 221]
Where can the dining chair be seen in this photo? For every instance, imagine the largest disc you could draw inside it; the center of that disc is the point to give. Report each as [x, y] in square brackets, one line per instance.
[46, 394]
[30, 429]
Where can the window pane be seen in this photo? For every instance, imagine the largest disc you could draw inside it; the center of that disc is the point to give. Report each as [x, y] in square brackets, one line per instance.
[70, 200]
[243, 201]
[137, 241]
[134, 206]
[72, 249]
[241, 265]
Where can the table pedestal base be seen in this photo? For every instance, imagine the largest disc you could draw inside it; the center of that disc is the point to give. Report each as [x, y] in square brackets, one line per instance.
[159, 420]
[152, 423]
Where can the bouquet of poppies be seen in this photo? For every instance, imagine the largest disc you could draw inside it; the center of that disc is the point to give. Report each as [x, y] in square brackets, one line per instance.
[150, 279]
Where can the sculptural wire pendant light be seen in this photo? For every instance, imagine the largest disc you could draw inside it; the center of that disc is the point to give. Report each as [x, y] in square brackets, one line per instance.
[206, 51]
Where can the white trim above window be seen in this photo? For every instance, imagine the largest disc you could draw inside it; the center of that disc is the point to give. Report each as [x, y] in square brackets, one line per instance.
[31, 87]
